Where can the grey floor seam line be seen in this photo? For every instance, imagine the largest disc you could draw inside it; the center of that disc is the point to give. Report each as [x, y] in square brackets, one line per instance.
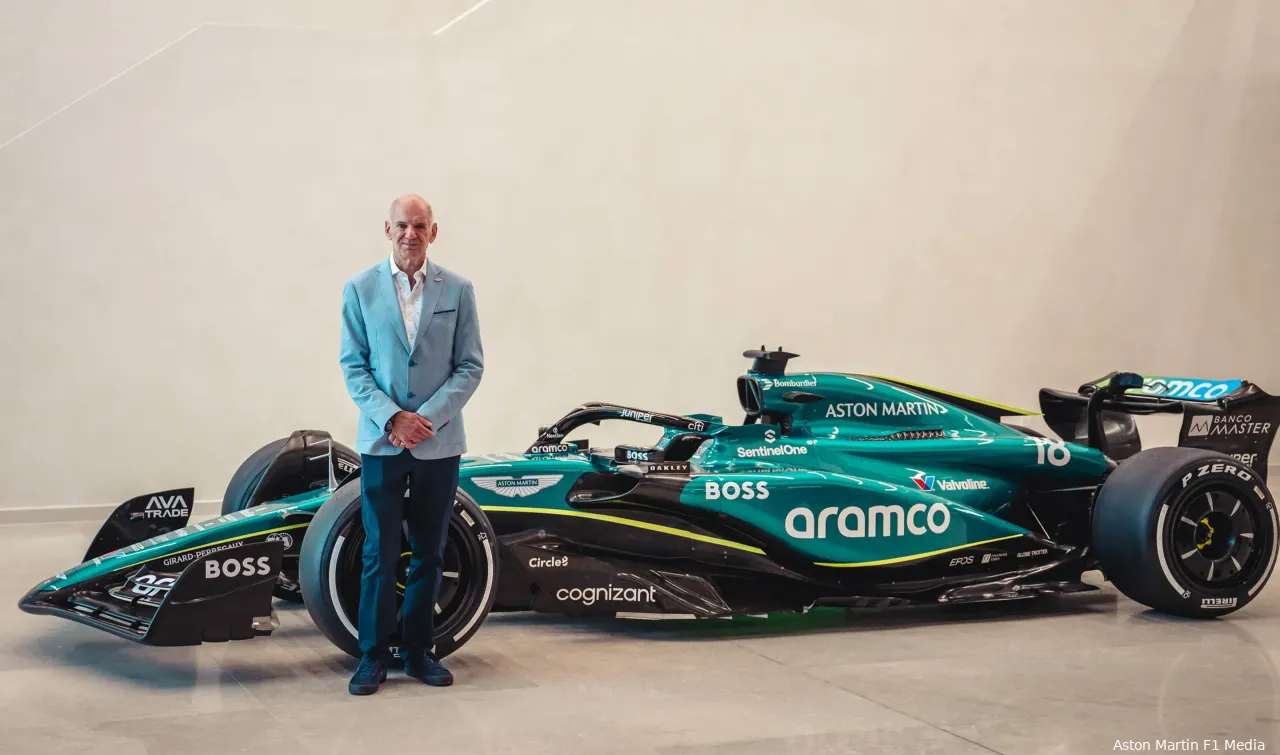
[846, 690]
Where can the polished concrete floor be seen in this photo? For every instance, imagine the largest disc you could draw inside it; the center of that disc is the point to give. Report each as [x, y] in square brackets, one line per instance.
[1067, 675]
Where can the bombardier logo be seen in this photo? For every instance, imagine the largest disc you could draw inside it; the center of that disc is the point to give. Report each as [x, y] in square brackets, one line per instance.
[1209, 425]
[166, 507]
[929, 482]
[771, 383]
[512, 487]
[852, 521]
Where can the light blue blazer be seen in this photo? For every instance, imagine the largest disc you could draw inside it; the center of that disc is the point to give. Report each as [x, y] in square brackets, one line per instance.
[434, 376]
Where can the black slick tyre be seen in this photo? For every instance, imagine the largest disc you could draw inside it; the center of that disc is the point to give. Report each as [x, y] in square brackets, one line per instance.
[1186, 531]
[237, 496]
[332, 560]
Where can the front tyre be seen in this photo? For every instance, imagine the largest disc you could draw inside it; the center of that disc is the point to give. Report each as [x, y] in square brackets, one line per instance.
[331, 561]
[1186, 531]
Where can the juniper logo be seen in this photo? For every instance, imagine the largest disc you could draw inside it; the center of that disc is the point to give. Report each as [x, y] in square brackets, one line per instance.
[512, 487]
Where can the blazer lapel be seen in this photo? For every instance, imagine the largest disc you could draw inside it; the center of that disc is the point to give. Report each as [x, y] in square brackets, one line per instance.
[432, 283]
[391, 304]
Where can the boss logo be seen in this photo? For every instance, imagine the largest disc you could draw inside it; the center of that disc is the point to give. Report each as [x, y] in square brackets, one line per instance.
[245, 567]
[731, 491]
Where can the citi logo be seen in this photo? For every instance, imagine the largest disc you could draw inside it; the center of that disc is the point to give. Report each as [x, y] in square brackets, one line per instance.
[161, 507]
[852, 521]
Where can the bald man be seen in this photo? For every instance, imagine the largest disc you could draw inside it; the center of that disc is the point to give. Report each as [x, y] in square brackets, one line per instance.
[412, 358]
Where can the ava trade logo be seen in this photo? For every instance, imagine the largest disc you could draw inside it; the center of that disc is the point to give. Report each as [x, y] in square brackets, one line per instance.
[928, 482]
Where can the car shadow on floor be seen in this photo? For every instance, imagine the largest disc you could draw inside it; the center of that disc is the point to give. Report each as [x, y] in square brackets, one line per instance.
[825, 620]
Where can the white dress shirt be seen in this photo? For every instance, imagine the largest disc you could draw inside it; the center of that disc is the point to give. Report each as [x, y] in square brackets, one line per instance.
[410, 297]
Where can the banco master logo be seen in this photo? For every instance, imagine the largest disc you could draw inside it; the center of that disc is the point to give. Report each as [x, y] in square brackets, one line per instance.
[1211, 425]
[512, 487]
[771, 383]
[852, 521]
[929, 482]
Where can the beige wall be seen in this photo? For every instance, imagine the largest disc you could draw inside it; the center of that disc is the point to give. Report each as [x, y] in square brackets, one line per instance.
[990, 196]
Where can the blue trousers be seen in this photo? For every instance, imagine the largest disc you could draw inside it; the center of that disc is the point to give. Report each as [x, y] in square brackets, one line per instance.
[424, 514]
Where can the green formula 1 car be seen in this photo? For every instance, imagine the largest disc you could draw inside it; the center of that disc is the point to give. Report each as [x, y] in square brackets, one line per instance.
[835, 490]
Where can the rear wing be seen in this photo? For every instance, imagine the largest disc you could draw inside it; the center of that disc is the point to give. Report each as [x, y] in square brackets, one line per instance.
[1234, 417]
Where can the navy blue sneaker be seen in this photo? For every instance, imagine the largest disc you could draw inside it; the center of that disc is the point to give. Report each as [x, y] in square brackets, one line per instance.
[368, 676]
[425, 667]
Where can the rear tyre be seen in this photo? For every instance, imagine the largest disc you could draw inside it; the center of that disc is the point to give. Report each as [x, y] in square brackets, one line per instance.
[1186, 531]
[332, 560]
[237, 496]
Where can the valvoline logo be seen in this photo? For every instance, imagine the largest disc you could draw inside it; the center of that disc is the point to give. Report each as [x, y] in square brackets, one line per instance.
[928, 482]
[924, 481]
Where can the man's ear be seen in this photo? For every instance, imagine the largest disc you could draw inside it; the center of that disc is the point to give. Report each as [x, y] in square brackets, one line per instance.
[386, 228]
[434, 229]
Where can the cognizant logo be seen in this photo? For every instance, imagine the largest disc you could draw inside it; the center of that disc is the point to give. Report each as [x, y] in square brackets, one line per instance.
[608, 594]
[852, 521]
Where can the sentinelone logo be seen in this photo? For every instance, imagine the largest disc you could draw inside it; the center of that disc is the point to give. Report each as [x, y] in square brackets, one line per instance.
[767, 451]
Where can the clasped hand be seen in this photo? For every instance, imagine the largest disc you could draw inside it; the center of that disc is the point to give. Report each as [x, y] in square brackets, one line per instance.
[408, 429]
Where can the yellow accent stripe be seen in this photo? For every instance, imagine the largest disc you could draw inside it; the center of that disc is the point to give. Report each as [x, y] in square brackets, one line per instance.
[219, 542]
[900, 559]
[629, 523]
[982, 401]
